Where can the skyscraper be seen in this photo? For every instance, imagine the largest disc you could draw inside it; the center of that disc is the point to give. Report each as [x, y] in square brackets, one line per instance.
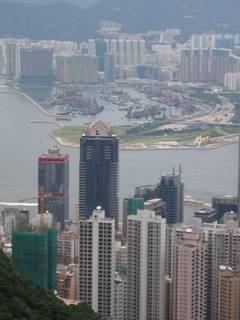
[109, 67]
[77, 68]
[190, 278]
[97, 263]
[101, 49]
[98, 174]
[12, 53]
[53, 184]
[146, 266]
[34, 252]
[171, 191]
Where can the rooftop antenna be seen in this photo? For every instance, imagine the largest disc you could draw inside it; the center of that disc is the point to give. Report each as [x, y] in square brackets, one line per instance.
[173, 171]
[238, 173]
[180, 169]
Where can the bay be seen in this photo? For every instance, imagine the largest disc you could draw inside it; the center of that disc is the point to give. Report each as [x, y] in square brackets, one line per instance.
[206, 173]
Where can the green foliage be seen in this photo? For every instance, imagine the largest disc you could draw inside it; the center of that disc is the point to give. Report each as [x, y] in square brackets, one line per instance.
[20, 299]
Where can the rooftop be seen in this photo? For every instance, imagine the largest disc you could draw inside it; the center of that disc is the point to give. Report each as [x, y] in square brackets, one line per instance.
[99, 128]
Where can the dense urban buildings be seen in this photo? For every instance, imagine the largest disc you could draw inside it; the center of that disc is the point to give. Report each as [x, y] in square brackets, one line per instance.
[97, 262]
[208, 65]
[142, 261]
[11, 218]
[98, 173]
[67, 247]
[146, 266]
[53, 184]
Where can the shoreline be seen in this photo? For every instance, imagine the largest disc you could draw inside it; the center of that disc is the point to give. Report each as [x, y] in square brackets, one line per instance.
[143, 147]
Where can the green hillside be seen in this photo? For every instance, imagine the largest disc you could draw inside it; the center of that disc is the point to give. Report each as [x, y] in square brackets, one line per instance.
[20, 299]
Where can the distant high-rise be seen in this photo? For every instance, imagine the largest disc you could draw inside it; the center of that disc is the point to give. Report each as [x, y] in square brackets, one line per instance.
[171, 191]
[98, 174]
[101, 50]
[146, 266]
[34, 252]
[97, 263]
[109, 67]
[189, 288]
[224, 204]
[53, 184]
[36, 66]
[12, 53]
[11, 218]
[77, 68]
[128, 52]
[215, 65]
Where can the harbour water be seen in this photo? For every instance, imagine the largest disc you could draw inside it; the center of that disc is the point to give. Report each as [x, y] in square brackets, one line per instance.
[205, 172]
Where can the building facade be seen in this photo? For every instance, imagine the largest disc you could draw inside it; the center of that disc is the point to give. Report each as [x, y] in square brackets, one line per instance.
[171, 191]
[77, 68]
[36, 66]
[146, 266]
[98, 174]
[53, 184]
[228, 294]
[34, 252]
[97, 263]
[189, 278]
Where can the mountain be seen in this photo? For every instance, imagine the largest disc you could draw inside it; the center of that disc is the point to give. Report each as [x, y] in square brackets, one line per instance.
[64, 20]
[80, 3]
[20, 299]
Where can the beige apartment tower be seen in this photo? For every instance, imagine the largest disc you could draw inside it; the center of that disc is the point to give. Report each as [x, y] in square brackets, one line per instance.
[146, 262]
[189, 283]
[228, 294]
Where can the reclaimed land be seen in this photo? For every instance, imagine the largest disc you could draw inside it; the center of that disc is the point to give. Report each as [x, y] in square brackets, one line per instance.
[132, 138]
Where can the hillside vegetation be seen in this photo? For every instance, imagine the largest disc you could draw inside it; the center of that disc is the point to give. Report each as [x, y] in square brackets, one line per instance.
[20, 299]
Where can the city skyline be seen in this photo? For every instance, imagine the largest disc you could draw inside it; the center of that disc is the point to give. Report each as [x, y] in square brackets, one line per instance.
[92, 208]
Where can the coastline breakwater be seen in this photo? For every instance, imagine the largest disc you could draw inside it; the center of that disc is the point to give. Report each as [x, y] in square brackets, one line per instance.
[36, 104]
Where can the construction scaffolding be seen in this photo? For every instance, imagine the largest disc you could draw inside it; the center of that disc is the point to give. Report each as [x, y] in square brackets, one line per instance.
[35, 254]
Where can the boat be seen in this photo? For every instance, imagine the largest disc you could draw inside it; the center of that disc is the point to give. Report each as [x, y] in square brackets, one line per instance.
[63, 118]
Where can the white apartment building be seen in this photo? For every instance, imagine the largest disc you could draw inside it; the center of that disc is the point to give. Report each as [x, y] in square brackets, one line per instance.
[232, 81]
[146, 264]
[97, 263]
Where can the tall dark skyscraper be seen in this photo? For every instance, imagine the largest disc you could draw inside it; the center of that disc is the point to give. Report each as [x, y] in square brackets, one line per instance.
[171, 191]
[53, 184]
[98, 181]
